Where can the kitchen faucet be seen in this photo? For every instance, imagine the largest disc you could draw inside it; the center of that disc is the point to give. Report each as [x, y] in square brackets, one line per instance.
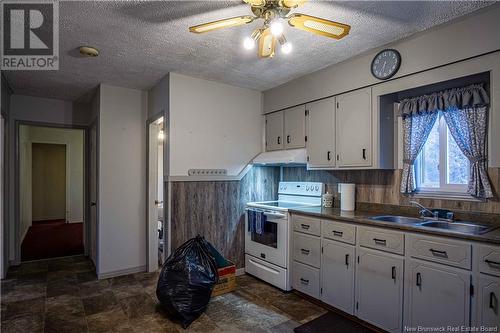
[435, 214]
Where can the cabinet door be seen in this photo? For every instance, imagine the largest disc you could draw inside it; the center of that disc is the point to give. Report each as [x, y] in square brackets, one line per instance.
[354, 128]
[274, 131]
[295, 127]
[488, 301]
[337, 275]
[438, 295]
[321, 133]
[379, 289]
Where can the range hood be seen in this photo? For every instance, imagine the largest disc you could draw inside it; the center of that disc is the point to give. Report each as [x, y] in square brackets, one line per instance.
[282, 157]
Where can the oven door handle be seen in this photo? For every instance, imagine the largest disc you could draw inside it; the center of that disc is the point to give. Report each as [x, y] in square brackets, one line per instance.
[275, 215]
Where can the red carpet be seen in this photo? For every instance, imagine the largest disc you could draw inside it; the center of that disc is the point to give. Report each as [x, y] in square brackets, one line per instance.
[49, 239]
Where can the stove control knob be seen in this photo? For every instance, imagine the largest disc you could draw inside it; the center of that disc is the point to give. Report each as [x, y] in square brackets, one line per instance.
[316, 188]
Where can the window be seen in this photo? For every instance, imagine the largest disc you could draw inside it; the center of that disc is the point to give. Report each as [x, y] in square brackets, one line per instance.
[441, 166]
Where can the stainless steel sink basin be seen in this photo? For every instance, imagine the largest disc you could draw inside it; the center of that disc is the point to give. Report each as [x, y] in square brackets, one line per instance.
[397, 219]
[462, 227]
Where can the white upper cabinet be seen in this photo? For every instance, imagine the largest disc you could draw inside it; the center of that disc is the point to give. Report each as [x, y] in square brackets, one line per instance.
[439, 296]
[274, 131]
[354, 129]
[321, 133]
[295, 127]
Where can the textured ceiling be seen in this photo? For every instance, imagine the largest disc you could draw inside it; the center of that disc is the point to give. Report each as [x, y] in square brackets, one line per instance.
[142, 41]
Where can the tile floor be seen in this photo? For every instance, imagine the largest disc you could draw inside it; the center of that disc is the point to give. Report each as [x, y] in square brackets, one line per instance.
[63, 295]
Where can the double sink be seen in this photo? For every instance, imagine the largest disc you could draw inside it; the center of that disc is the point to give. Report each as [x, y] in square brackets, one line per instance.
[467, 228]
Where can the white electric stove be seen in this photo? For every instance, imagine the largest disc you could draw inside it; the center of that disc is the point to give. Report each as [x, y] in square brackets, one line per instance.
[267, 255]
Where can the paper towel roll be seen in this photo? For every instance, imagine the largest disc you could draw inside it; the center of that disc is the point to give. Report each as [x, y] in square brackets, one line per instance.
[347, 196]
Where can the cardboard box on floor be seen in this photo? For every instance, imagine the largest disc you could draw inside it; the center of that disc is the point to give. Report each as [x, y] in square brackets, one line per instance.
[227, 280]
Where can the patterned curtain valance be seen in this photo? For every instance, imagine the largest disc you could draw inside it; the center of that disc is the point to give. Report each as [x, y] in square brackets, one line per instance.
[462, 98]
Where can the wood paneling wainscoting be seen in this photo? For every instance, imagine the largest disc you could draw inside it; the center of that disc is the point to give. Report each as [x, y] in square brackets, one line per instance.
[382, 187]
[216, 209]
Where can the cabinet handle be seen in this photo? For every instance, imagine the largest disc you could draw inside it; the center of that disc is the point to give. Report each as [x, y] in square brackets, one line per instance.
[364, 153]
[491, 262]
[304, 281]
[419, 280]
[328, 155]
[380, 241]
[279, 140]
[288, 139]
[439, 253]
[337, 233]
[305, 251]
[347, 260]
[305, 226]
[394, 273]
[492, 300]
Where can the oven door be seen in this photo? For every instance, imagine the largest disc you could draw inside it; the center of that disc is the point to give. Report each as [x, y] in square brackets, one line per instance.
[272, 244]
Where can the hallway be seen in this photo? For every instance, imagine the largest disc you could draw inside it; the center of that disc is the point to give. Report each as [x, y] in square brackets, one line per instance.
[52, 239]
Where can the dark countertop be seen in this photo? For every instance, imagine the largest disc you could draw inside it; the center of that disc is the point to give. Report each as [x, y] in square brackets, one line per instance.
[362, 218]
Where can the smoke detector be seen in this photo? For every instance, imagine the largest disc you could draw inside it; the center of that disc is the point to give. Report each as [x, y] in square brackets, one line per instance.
[88, 51]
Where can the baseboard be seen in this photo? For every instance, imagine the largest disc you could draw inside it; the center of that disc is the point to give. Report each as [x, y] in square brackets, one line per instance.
[127, 271]
[240, 271]
[74, 221]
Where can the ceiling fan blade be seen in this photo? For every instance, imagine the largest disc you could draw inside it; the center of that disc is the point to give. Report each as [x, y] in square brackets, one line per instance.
[267, 44]
[319, 26]
[226, 23]
[292, 3]
[256, 3]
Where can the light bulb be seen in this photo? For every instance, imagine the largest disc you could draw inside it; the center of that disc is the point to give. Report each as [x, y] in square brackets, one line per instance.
[248, 43]
[276, 28]
[161, 135]
[286, 48]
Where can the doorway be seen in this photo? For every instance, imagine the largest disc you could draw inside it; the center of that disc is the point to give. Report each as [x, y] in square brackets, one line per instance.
[157, 231]
[51, 192]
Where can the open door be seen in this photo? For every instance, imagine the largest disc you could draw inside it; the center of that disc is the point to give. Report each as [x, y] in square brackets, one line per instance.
[156, 234]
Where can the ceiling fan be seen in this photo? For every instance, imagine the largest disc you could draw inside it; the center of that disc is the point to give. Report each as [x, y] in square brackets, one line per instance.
[273, 12]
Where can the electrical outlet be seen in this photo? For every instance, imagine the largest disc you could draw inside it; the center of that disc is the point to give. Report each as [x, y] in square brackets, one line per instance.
[207, 172]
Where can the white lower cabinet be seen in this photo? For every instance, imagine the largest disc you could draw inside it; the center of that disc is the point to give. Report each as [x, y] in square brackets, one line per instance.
[379, 289]
[305, 279]
[438, 295]
[488, 301]
[337, 275]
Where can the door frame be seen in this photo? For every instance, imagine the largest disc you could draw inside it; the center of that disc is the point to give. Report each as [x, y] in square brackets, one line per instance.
[166, 239]
[17, 192]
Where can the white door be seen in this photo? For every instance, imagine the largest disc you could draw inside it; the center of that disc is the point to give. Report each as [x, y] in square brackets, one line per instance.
[295, 127]
[438, 295]
[321, 133]
[154, 131]
[337, 275]
[354, 128]
[93, 194]
[488, 301]
[379, 289]
[274, 131]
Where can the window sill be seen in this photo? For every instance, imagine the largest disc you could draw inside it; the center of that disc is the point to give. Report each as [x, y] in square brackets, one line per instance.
[445, 196]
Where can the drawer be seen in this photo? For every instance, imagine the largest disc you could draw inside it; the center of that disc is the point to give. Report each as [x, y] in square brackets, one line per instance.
[441, 250]
[489, 259]
[307, 249]
[307, 225]
[382, 239]
[305, 279]
[339, 231]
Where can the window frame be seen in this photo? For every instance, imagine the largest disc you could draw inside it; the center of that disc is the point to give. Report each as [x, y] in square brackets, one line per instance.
[444, 188]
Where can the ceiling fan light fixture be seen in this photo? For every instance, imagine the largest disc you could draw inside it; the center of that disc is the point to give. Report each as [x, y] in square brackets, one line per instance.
[248, 43]
[220, 24]
[286, 48]
[267, 44]
[276, 28]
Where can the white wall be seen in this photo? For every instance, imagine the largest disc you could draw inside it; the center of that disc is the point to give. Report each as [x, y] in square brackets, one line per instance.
[212, 125]
[470, 36]
[122, 181]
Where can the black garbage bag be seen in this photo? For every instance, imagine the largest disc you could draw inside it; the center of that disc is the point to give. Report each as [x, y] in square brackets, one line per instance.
[186, 281]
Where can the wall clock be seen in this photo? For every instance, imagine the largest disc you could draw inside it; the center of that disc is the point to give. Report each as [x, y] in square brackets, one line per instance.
[385, 64]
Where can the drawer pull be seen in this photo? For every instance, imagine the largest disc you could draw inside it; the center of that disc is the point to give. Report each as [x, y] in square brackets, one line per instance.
[305, 226]
[305, 251]
[439, 253]
[380, 241]
[337, 233]
[419, 280]
[394, 273]
[304, 281]
[493, 300]
[347, 260]
[491, 262]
